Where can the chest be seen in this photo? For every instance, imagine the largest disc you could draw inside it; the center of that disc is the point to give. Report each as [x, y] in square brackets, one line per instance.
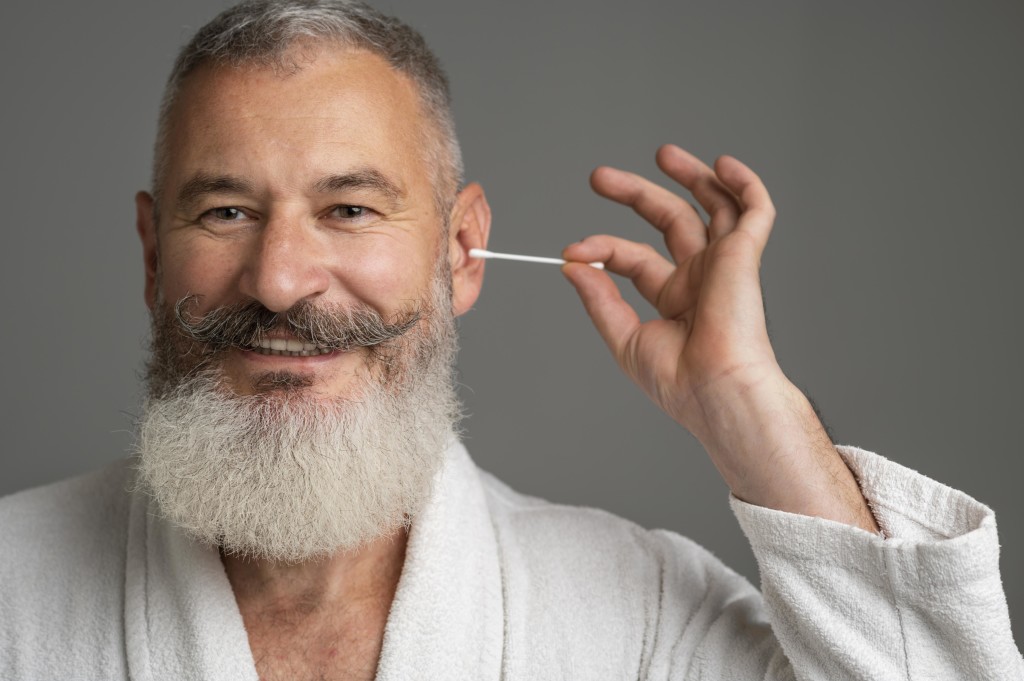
[343, 648]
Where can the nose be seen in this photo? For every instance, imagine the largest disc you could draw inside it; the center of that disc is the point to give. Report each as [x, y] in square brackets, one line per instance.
[285, 266]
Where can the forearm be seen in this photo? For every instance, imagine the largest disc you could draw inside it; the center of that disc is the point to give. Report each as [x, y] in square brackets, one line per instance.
[772, 450]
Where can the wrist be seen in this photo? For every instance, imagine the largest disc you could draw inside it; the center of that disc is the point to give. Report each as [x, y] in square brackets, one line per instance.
[767, 442]
[749, 426]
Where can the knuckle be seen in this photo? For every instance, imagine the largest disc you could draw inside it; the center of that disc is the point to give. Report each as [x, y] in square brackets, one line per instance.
[678, 214]
[723, 211]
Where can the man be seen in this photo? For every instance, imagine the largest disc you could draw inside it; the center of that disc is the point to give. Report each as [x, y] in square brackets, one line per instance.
[300, 507]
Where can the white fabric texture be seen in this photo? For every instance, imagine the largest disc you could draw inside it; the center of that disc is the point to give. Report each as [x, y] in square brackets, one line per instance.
[498, 585]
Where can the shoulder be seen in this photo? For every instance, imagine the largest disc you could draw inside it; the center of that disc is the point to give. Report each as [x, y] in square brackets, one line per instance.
[656, 593]
[55, 519]
[62, 569]
[583, 536]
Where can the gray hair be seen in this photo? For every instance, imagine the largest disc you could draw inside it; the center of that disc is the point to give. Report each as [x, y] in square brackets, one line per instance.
[262, 33]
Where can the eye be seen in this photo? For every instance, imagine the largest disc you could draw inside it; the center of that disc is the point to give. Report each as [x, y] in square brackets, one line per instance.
[225, 214]
[346, 212]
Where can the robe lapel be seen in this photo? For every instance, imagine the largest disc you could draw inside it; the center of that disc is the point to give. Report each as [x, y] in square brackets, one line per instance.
[181, 618]
[447, 619]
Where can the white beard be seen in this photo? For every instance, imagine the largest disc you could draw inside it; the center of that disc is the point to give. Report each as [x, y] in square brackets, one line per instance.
[290, 476]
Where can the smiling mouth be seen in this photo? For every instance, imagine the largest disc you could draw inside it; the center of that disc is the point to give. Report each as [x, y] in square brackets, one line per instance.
[288, 348]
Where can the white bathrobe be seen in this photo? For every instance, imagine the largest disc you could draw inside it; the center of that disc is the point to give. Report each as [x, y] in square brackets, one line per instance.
[497, 585]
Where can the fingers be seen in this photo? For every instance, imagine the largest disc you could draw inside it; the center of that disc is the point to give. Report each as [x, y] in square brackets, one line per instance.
[758, 210]
[731, 193]
[733, 196]
[645, 267]
[613, 317]
[685, 233]
[711, 193]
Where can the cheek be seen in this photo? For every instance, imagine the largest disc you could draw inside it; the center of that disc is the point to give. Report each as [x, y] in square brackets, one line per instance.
[388, 277]
[188, 270]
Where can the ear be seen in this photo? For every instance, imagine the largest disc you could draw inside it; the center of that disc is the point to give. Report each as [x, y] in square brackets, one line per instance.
[470, 227]
[146, 227]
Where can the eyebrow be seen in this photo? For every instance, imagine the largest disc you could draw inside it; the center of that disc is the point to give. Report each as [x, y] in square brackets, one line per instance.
[203, 184]
[362, 178]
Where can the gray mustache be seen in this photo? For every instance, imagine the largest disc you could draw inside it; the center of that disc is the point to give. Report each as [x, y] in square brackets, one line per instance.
[335, 328]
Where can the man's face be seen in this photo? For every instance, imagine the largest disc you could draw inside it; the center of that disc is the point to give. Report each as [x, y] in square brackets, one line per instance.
[307, 194]
[310, 187]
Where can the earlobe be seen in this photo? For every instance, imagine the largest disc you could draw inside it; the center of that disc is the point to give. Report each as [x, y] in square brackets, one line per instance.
[470, 228]
[145, 225]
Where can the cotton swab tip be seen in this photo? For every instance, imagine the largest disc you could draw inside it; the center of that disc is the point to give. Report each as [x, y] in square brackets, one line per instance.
[481, 253]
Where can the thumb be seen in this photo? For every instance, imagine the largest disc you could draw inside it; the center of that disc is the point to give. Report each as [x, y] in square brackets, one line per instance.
[613, 317]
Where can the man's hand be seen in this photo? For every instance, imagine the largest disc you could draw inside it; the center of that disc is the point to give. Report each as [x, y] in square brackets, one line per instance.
[707, 360]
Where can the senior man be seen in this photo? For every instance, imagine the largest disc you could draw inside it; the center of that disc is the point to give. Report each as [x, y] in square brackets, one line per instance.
[300, 506]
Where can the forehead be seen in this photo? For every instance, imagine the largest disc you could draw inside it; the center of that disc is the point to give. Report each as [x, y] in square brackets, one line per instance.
[340, 107]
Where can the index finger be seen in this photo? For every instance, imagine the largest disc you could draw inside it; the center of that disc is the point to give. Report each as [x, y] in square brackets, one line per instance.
[684, 230]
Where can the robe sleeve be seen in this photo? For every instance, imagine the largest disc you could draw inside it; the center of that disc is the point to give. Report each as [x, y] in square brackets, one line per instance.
[923, 602]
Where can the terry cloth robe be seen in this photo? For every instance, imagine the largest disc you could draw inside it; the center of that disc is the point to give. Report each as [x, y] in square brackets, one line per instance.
[498, 585]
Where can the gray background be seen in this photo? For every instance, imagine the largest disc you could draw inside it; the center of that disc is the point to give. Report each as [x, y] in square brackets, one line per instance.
[889, 135]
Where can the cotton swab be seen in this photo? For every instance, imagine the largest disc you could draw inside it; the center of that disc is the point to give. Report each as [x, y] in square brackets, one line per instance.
[481, 253]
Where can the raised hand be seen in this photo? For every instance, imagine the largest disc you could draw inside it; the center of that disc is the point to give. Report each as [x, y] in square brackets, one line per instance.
[707, 360]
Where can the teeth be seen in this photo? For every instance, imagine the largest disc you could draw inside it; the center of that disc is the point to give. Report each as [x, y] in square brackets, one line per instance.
[286, 353]
[288, 347]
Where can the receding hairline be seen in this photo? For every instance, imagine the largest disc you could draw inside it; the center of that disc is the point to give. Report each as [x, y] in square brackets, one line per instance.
[279, 34]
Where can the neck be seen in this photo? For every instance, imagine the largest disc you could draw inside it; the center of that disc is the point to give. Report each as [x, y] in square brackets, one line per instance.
[296, 592]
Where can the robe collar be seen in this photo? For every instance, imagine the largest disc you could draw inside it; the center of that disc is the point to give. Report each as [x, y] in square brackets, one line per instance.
[446, 620]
